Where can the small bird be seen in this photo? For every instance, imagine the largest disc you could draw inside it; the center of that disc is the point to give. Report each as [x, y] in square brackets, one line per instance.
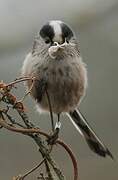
[55, 61]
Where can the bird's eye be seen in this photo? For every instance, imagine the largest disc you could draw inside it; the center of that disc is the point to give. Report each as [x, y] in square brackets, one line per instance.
[47, 41]
[67, 41]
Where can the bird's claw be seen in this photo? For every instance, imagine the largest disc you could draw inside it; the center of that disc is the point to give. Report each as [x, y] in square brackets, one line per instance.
[53, 138]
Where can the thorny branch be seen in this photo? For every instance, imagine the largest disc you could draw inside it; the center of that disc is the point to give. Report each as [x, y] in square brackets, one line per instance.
[9, 101]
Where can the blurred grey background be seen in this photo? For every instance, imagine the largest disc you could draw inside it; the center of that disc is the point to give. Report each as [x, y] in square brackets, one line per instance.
[96, 25]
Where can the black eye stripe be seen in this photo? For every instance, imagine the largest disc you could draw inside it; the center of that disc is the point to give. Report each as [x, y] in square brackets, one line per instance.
[47, 31]
[66, 31]
[48, 34]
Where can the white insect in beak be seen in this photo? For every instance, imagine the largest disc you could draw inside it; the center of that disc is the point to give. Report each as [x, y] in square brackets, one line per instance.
[54, 48]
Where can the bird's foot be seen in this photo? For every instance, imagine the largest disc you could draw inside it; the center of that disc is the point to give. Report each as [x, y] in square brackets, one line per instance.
[53, 138]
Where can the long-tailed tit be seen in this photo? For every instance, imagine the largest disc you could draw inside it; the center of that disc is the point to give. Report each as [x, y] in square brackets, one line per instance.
[56, 62]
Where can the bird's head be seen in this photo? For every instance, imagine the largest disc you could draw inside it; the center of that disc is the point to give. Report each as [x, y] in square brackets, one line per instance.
[56, 38]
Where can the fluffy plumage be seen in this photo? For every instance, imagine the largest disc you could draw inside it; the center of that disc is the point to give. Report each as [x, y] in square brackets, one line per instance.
[56, 63]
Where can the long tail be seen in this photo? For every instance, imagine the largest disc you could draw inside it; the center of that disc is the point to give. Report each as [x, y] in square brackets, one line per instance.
[86, 131]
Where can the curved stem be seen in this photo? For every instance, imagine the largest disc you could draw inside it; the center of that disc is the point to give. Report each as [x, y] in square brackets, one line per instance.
[72, 158]
[33, 169]
[4, 124]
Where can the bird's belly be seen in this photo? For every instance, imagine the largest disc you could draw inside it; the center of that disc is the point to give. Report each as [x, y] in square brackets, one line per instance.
[65, 88]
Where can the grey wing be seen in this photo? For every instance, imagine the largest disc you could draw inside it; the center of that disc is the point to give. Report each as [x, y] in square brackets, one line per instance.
[39, 89]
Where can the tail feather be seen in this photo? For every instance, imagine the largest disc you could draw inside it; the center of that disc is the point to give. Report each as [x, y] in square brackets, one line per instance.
[91, 138]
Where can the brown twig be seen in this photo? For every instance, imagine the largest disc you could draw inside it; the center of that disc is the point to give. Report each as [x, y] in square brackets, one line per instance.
[32, 170]
[26, 131]
[4, 124]
[19, 80]
[29, 91]
[22, 177]
[65, 146]
[30, 130]
[44, 151]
